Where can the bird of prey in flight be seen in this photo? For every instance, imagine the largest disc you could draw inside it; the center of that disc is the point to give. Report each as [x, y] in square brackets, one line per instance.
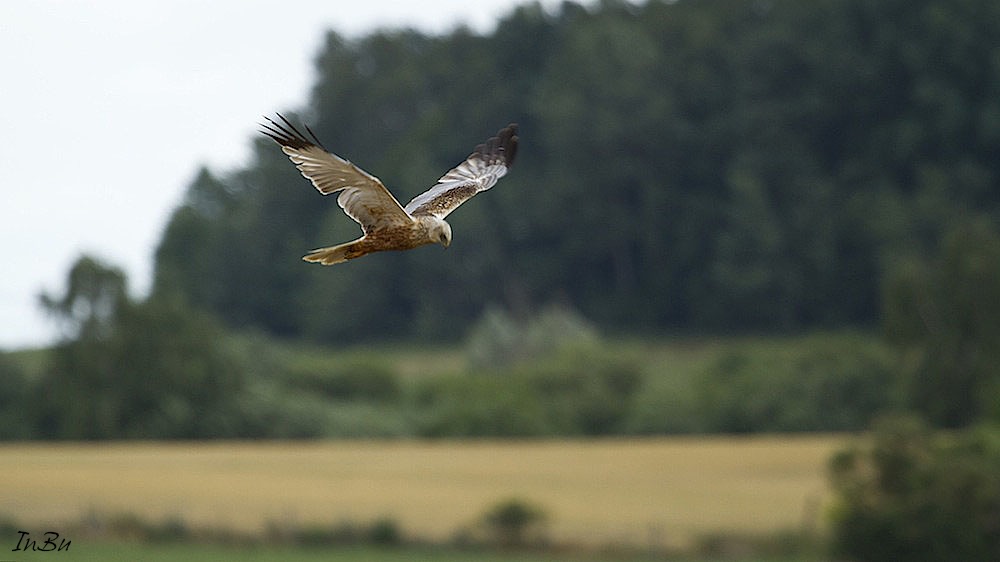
[386, 224]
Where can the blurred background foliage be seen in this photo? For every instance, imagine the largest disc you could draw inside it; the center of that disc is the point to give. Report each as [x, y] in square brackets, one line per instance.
[688, 170]
[685, 166]
[726, 216]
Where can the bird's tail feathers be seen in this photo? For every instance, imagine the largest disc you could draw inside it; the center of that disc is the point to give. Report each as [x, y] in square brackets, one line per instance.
[334, 254]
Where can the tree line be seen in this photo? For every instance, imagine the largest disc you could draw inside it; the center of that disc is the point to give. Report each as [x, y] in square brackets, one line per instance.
[157, 368]
[684, 166]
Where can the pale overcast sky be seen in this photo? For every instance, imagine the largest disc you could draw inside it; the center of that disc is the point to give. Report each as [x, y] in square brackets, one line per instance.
[107, 108]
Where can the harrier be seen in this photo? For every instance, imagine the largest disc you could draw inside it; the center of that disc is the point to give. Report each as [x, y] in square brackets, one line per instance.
[386, 224]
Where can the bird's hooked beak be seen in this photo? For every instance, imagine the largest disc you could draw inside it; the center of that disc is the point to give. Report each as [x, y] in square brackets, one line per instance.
[445, 242]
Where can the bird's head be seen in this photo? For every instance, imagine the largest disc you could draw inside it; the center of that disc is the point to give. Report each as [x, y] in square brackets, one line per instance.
[442, 234]
[438, 231]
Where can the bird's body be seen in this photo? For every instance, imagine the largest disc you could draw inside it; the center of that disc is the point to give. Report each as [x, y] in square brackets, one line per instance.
[405, 237]
[386, 224]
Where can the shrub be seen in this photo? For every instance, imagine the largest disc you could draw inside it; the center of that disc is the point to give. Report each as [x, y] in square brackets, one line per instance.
[573, 392]
[464, 405]
[584, 391]
[348, 380]
[832, 383]
[511, 522]
[268, 409]
[385, 531]
[667, 405]
[915, 496]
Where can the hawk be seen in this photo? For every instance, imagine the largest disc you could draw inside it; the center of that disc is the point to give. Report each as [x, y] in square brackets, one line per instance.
[386, 224]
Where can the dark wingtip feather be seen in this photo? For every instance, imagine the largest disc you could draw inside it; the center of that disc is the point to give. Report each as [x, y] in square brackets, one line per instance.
[502, 147]
[509, 143]
[286, 134]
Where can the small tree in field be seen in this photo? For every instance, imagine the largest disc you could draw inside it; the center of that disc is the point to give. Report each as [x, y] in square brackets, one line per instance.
[512, 521]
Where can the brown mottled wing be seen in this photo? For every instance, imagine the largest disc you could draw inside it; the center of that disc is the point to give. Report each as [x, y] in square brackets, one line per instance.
[480, 171]
[362, 195]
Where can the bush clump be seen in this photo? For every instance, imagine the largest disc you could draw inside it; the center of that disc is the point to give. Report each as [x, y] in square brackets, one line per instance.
[514, 522]
[918, 496]
[829, 384]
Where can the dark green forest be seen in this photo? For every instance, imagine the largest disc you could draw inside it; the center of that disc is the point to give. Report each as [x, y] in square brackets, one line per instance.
[712, 166]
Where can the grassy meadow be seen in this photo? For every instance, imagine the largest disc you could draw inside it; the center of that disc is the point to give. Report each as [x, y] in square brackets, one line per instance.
[655, 492]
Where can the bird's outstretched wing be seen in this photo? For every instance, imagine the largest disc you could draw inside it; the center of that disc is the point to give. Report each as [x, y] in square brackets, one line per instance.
[480, 171]
[362, 195]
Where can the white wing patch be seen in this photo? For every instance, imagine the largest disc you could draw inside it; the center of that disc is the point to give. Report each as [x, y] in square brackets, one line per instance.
[479, 172]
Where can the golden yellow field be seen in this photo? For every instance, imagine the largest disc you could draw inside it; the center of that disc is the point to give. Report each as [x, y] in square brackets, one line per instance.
[600, 491]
